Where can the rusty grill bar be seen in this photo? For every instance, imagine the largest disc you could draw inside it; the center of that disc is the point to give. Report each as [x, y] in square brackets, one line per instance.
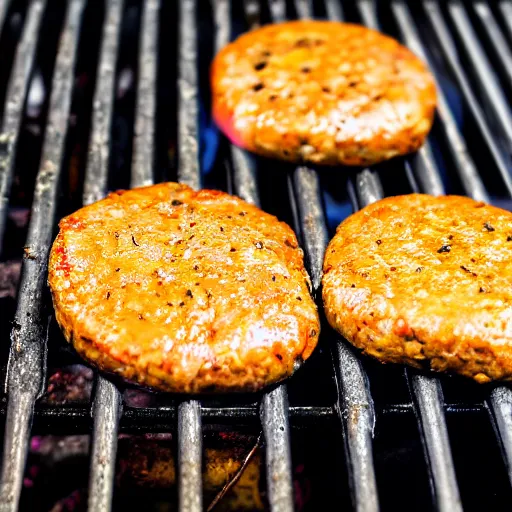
[453, 28]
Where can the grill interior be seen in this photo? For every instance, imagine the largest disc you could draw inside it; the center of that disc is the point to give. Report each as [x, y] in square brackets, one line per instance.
[96, 96]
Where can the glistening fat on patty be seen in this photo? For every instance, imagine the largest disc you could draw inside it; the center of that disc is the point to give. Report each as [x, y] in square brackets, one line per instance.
[425, 281]
[322, 92]
[183, 291]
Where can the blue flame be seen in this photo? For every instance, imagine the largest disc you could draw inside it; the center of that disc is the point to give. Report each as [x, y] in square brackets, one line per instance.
[209, 137]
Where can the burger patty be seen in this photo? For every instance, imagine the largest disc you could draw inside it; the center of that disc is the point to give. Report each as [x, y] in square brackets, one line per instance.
[425, 281]
[183, 291]
[323, 92]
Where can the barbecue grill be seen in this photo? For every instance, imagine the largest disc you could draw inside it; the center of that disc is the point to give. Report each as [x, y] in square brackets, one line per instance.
[144, 117]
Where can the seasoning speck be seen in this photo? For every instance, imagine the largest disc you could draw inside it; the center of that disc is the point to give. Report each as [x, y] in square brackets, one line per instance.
[444, 248]
[258, 245]
[467, 270]
[509, 238]
[378, 242]
[189, 293]
[108, 295]
[273, 278]
[481, 290]
[352, 286]
[182, 304]
[176, 202]
[488, 227]
[118, 269]
[134, 241]
[419, 269]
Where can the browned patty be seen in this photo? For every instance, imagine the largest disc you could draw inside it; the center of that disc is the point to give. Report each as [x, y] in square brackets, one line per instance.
[183, 291]
[425, 281]
[323, 92]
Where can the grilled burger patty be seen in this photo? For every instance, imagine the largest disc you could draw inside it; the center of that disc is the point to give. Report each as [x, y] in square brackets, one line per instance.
[425, 281]
[322, 92]
[183, 291]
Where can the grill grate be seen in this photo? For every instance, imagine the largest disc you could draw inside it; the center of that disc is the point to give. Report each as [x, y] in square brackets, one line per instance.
[446, 162]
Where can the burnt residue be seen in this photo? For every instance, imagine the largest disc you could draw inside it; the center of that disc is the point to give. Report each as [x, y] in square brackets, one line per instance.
[135, 242]
[488, 227]
[444, 248]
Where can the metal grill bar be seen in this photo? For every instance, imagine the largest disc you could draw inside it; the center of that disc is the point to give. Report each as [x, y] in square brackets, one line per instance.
[426, 390]
[423, 161]
[190, 456]
[500, 400]
[277, 10]
[495, 36]
[276, 429]
[274, 405]
[143, 159]
[189, 413]
[484, 74]
[27, 360]
[107, 407]
[464, 164]
[96, 175]
[188, 145]
[456, 145]
[107, 410]
[354, 404]
[506, 10]
[4, 8]
[334, 10]
[500, 409]
[15, 99]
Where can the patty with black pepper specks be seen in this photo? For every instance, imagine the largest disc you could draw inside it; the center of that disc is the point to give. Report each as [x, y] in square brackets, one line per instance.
[183, 291]
[322, 92]
[425, 281]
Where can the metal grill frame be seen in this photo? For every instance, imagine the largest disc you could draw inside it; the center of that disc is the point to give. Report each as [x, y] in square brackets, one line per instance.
[354, 406]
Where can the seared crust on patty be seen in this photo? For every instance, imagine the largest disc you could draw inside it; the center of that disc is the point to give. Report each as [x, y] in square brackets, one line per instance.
[425, 281]
[323, 92]
[183, 291]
